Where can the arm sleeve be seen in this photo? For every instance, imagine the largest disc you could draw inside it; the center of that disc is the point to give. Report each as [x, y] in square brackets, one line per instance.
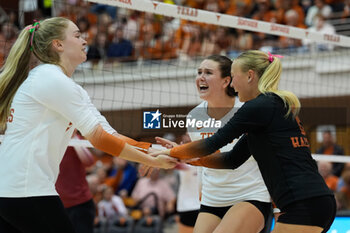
[252, 116]
[227, 160]
[143, 146]
[107, 142]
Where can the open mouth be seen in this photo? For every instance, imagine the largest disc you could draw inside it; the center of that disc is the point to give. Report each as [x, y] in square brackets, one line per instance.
[203, 87]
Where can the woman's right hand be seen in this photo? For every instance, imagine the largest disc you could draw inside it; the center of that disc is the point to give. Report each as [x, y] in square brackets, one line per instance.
[164, 161]
[161, 159]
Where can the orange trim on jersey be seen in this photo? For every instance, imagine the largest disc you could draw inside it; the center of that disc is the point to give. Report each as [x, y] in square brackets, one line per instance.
[108, 143]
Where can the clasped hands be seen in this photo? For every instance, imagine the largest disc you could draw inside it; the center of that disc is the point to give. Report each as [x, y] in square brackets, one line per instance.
[163, 154]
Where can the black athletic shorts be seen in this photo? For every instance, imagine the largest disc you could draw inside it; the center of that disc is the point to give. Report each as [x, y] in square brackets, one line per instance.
[263, 207]
[316, 211]
[42, 214]
[188, 218]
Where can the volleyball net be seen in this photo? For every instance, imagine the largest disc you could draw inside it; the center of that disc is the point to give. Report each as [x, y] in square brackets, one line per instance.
[143, 57]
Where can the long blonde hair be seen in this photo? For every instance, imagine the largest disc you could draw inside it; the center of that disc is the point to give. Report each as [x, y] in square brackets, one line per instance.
[269, 73]
[17, 65]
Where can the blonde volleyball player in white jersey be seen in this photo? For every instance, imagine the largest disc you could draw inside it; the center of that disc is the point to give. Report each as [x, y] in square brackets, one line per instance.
[231, 200]
[39, 111]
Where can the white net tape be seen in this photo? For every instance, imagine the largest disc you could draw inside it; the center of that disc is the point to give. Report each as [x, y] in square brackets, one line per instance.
[231, 21]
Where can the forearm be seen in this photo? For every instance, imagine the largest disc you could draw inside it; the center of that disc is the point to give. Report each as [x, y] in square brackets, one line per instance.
[143, 146]
[134, 155]
[216, 161]
[106, 142]
[112, 145]
[191, 150]
[207, 146]
[227, 160]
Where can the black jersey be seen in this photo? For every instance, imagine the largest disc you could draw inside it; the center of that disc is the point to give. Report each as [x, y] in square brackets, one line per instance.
[278, 144]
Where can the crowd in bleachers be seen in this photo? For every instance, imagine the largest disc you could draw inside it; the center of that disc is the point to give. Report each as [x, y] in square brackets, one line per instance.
[125, 200]
[125, 35]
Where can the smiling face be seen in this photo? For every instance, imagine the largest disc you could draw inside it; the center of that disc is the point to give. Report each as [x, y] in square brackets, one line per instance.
[74, 46]
[209, 81]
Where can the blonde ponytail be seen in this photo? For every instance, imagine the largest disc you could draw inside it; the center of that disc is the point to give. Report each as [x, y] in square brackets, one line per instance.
[13, 73]
[17, 64]
[269, 69]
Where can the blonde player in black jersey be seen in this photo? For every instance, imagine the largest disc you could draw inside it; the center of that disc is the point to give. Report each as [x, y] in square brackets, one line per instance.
[39, 110]
[275, 137]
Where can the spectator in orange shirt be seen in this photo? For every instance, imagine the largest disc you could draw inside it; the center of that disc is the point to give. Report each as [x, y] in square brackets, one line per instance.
[239, 7]
[282, 6]
[265, 11]
[192, 43]
[325, 169]
[292, 19]
[297, 7]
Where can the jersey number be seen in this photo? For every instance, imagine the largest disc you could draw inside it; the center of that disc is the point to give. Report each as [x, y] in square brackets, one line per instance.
[300, 141]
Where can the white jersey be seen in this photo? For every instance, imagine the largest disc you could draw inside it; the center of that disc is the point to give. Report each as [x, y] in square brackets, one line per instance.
[188, 194]
[44, 112]
[224, 187]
